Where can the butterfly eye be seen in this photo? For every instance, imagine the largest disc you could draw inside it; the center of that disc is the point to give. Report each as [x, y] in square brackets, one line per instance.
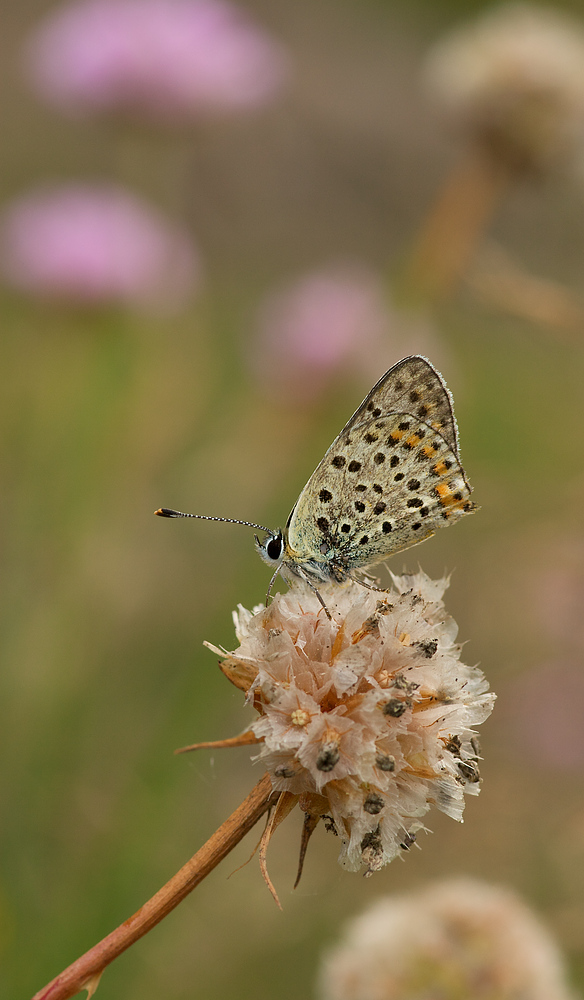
[274, 547]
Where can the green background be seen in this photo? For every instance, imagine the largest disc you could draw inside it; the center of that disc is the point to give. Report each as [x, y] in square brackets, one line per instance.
[103, 608]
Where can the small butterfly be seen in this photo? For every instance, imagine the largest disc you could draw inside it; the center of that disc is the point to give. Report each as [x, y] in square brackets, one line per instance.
[388, 481]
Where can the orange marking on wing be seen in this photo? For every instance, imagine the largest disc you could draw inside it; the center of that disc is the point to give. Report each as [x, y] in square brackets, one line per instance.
[428, 450]
[413, 440]
[449, 499]
[445, 495]
[440, 468]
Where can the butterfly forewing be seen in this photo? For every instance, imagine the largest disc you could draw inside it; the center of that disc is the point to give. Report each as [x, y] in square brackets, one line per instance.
[412, 386]
[388, 481]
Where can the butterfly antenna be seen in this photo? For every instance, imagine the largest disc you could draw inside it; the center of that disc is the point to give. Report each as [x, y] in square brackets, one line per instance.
[168, 512]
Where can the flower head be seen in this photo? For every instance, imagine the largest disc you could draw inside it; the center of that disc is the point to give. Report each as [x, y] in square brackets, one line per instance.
[166, 59]
[96, 244]
[457, 938]
[515, 81]
[368, 717]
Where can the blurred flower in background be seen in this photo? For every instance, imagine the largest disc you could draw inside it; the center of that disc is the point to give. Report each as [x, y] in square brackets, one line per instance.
[163, 59]
[543, 711]
[558, 592]
[460, 938]
[96, 245]
[514, 81]
[330, 320]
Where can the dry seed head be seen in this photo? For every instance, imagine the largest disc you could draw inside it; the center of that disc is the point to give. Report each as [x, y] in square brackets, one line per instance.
[514, 81]
[456, 938]
[369, 717]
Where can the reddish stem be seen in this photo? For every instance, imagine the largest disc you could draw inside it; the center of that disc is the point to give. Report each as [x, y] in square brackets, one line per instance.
[454, 226]
[93, 962]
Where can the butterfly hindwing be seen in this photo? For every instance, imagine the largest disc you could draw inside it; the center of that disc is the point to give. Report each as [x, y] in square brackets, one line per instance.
[389, 479]
[394, 489]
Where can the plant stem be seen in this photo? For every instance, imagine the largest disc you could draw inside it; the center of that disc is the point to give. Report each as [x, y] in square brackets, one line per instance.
[500, 281]
[454, 226]
[89, 966]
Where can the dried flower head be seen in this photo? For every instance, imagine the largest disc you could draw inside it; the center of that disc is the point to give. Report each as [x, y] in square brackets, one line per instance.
[514, 80]
[164, 59]
[96, 244]
[458, 938]
[366, 719]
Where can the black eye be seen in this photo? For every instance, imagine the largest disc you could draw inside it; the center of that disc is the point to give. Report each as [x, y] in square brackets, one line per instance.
[274, 548]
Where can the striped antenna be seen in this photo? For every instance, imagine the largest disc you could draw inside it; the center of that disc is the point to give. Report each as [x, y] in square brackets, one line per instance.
[167, 512]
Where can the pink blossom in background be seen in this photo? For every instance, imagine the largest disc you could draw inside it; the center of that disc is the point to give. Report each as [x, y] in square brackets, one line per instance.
[161, 58]
[543, 711]
[330, 320]
[559, 593]
[96, 244]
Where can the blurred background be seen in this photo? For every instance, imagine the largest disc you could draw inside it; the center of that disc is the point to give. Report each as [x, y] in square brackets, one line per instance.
[202, 276]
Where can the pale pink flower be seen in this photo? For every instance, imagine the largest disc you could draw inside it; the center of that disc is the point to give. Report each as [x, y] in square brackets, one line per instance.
[558, 593]
[165, 59]
[327, 321]
[96, 244]
[514, 80]
[543, 710]
[458, 938]
[368, 716]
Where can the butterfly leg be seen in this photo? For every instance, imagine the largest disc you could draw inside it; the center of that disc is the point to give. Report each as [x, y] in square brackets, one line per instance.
[303, 576]
[271, 584]
[369, 586]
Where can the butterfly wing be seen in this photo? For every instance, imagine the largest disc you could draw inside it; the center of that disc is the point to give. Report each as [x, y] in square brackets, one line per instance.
[388, 481]
[412, 386]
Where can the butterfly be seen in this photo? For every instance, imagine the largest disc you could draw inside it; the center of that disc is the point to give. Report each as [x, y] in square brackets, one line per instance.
[389, 480]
